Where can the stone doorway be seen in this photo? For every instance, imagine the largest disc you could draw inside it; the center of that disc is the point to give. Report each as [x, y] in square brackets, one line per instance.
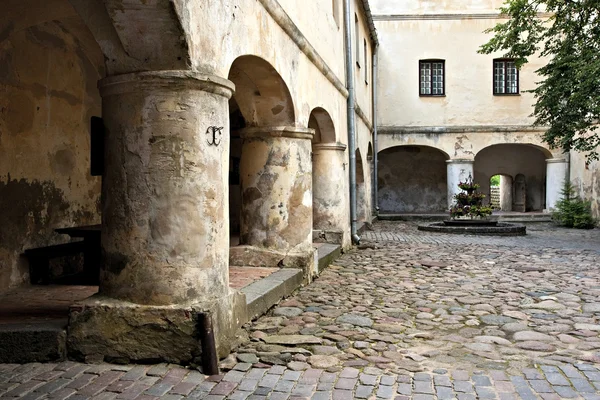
[521, 165]
[501, 192]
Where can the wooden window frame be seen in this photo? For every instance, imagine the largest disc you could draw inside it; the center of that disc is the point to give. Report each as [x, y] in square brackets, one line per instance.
[431, 61]
[518, 93]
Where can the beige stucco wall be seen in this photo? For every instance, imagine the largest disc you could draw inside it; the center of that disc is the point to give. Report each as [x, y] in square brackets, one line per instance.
[586, 180]
[48, 79]
[468, 76]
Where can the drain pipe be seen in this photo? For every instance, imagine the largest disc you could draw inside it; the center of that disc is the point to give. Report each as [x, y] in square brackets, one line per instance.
[375, 143]
[351, 117]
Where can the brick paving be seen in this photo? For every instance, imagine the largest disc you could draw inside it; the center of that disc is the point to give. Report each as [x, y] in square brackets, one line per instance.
[407, 316]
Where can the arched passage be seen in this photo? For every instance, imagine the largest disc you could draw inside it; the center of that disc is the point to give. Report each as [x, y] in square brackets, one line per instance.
[525, 164]
[412, 179]
[362, 201]
[275, 170]
[328, 179]
[50, 68]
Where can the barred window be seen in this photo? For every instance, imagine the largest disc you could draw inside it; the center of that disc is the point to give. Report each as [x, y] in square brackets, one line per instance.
[431, 77]
[506, 77]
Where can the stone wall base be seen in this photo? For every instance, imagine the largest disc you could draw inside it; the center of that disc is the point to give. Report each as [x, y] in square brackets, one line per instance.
[105, 329]
[259, 257]
[324, 236]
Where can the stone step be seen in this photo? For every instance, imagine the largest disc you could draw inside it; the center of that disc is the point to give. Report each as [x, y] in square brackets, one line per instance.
[39, 341]
[512, 217]
[327, 253]
[265, 293]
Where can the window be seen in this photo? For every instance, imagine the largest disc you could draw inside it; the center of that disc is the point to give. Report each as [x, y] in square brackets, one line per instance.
[335, 8]
[431, 78]
[506, 77]
[366, 56]
[356, 32]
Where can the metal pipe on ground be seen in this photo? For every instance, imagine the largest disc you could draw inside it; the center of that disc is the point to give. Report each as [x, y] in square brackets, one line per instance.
[210, 360]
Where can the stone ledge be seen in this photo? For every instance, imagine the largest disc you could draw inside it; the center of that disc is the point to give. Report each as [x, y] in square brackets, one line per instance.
[502, 229]
[33, 342]
[244, 256]
[327, 253]
[105, 329]
[265, 293]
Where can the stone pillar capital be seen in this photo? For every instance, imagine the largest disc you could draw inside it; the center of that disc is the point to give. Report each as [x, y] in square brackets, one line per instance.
[292, 132]
[460, 161]
[165, 81]
[329, 147]
[556, 160]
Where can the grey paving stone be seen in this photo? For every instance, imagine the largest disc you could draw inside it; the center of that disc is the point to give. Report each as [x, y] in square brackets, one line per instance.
[463, 386]
[363, 391]
[404, 389]
[444, 393]
[540, 386]
[385, 392]
[582, 386]
[555, 378]
[423, 387]
[485, 392]
[442, 380]
[565, 392]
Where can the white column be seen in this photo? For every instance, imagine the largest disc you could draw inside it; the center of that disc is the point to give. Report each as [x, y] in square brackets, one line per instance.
[556, 173]
[459, 170]
[506, 192]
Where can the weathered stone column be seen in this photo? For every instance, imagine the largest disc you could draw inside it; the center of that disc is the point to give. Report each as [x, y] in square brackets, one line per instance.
[458, 171]
[330, 207]
[506, 192]
[556, 173]
[165, 233]
[276, 185]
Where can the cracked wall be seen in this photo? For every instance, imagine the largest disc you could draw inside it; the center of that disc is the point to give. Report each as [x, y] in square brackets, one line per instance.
[48, 73]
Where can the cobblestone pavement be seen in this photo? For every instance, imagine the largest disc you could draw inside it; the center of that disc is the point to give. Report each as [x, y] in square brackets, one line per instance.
[409, 315]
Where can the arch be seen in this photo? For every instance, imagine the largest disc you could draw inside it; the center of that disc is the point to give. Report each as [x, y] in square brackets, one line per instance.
[321, 122]
[370, 152]
[261, 94]
[413, 145]
[512, 159]
[545, 151]
[412, 179]
[51, 66]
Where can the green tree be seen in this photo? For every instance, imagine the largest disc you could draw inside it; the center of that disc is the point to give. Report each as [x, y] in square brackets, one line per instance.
[571, 211]
[568, 95]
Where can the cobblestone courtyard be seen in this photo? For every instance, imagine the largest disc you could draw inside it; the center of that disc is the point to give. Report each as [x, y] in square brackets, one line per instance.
[407, 315]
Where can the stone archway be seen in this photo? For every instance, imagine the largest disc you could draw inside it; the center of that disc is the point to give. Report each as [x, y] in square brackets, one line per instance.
[275, 170]
[328, 158]
[51, 66]
[412, 179]
[362, 205]
[513, 160]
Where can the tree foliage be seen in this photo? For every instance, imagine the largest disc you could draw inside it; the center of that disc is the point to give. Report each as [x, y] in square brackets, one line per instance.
[571, 211]
[567, 32]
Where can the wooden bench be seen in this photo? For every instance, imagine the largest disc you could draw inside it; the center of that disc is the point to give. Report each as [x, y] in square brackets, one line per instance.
[39, 259]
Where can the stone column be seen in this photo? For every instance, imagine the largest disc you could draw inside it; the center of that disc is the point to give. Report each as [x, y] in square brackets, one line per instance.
[165, 234]
[556, 173]
[506, 192]
[276, 185]
[458, 170]
[330, 205]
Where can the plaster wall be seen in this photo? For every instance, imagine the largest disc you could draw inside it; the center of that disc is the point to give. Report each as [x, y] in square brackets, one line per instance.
[462, 143]
[412, 179]
[512, 160]
[586, 180]
[433, 6]
[468, 99]
[48, 75]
